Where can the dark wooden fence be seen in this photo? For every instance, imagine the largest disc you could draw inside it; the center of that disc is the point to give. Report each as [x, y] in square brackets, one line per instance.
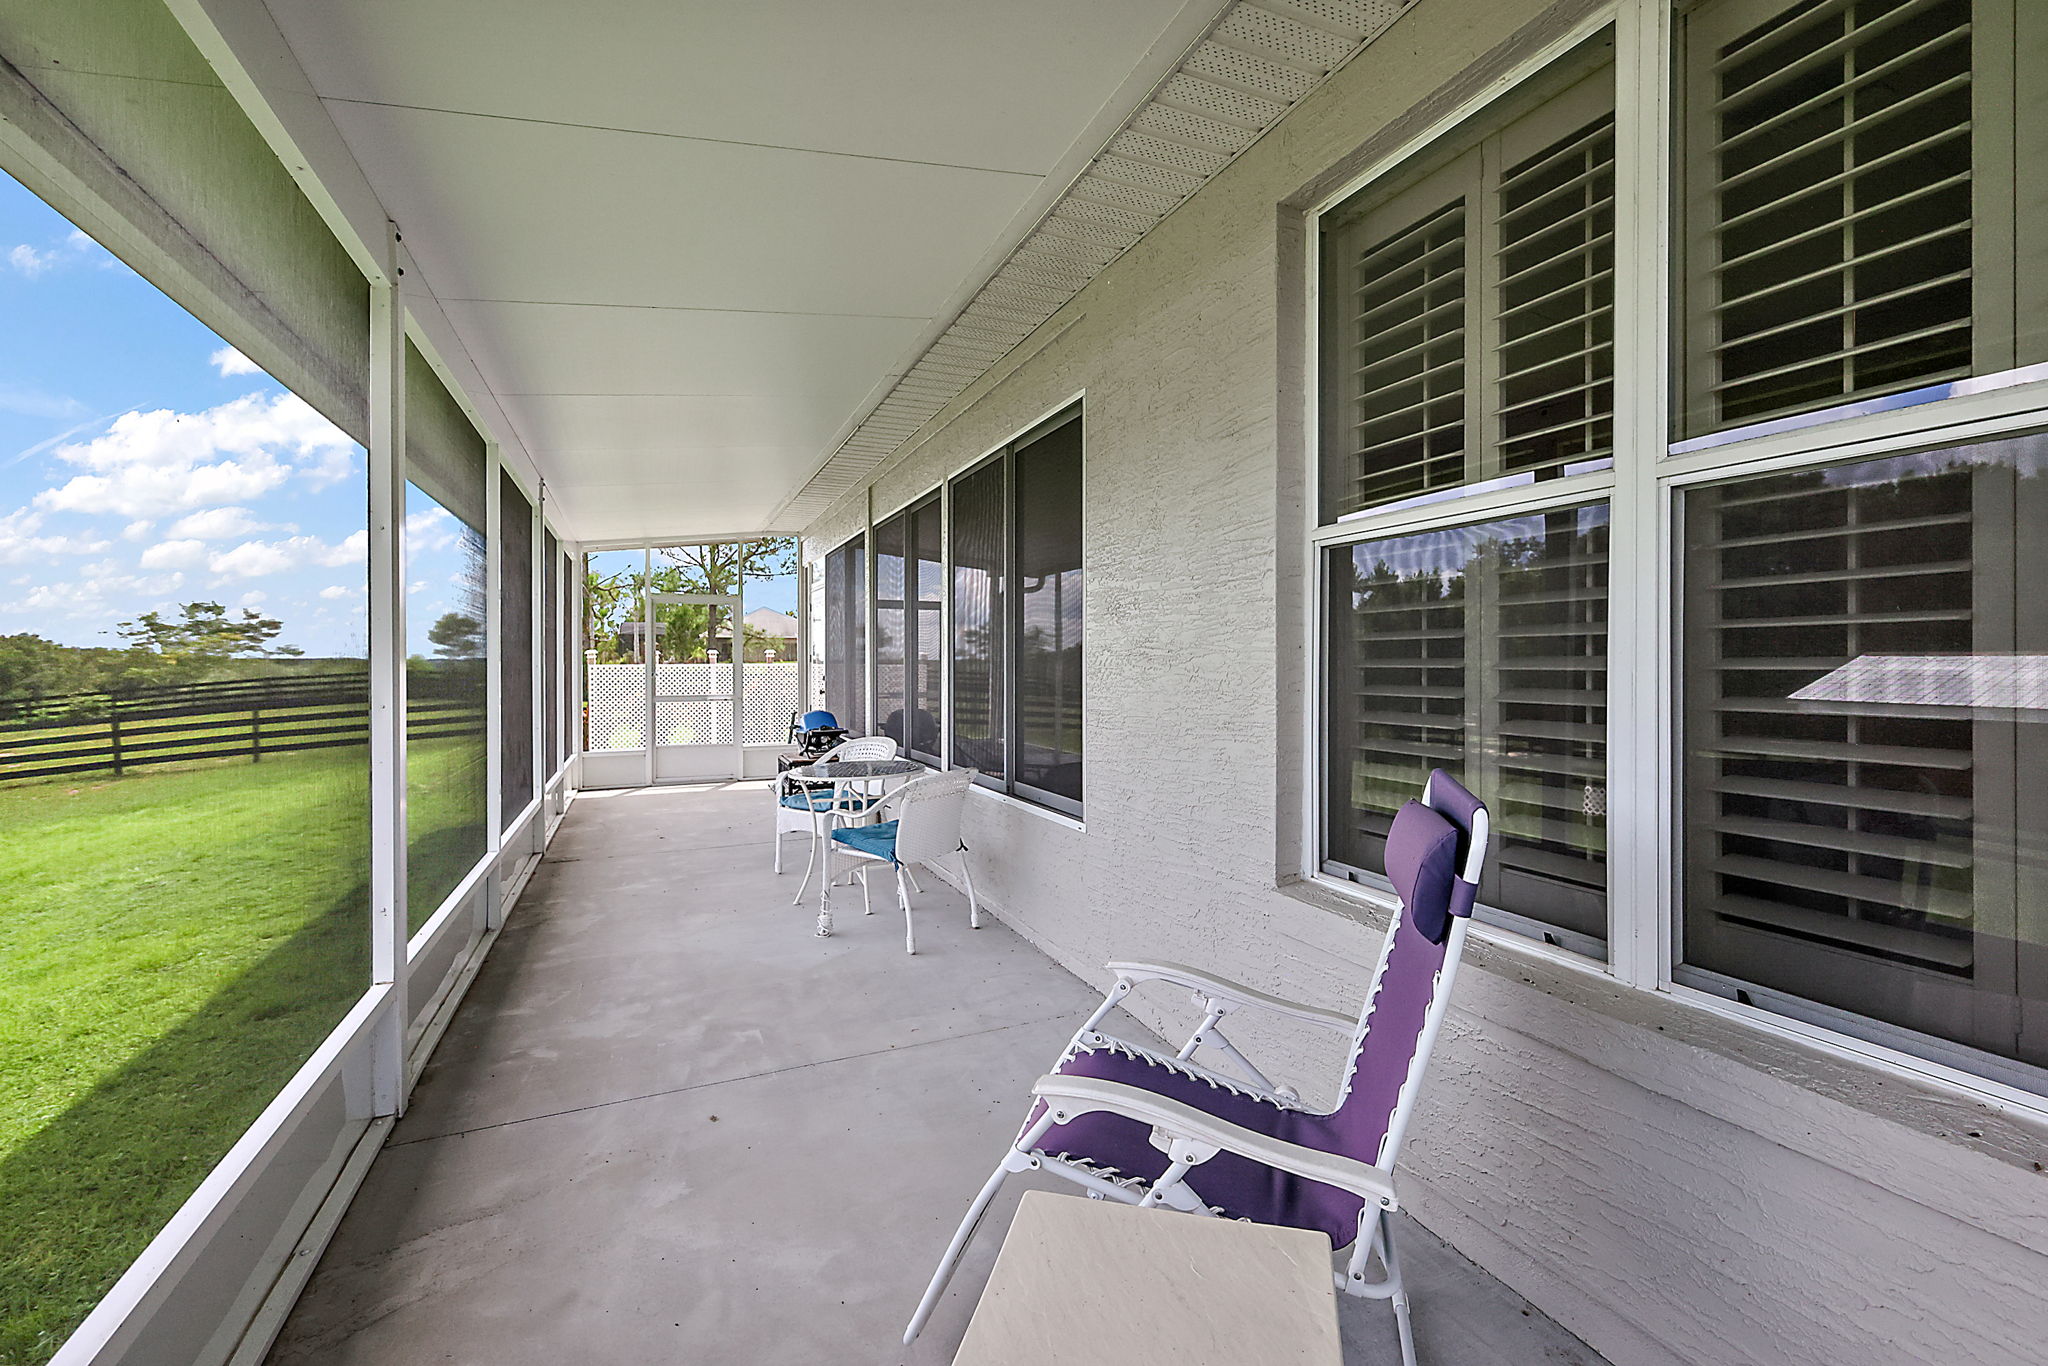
[237, 719]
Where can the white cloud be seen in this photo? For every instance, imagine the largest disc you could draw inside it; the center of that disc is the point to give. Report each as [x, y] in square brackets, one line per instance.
[432, 530]
[29, 261]
[138, 531]
[40, 404]
[174, 555]
[254, 559]
[255, 597]
[336, 592]
[231, 362]
[221, 524]
[22, 539]
[150, 463]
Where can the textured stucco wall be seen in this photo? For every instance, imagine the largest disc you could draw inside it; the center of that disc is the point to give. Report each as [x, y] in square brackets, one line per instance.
[1671, 1185]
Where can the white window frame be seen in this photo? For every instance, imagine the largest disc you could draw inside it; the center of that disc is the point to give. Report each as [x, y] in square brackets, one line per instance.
[1643, 490]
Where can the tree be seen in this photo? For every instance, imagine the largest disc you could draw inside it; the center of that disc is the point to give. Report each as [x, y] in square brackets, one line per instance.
[457, 636]
[723, 567]
[204, 633]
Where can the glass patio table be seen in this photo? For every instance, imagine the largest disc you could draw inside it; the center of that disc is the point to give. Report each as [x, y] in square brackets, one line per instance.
[840, 774]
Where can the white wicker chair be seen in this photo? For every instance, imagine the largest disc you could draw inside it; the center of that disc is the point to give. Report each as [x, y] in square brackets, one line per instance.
[809, 807]
[917, 823]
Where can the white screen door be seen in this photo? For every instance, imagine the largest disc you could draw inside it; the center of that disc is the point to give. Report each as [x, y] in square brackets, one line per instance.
[694, 686]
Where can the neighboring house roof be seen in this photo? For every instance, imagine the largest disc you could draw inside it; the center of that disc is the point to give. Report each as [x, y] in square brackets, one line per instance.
[769, 622]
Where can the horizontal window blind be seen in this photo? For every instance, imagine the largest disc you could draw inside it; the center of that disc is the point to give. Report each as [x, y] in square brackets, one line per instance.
[1852, 753]
[1554, 335]
[1481, 650]
[1468, 306]
[1833, 157]
[1405, 361]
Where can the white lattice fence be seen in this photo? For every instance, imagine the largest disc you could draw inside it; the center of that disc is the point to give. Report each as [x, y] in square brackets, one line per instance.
[618, 704]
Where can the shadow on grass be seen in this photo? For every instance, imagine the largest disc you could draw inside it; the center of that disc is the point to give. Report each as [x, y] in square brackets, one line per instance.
[82, 1197]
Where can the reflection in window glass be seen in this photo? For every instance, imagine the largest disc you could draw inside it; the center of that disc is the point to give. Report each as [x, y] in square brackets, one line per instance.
[978, 622]
[515, 649]
[1480, 650]
[846, 637]
[1048, 475]
[1866, 767]
[184, 760]
[892, 631]
[447, 610]
[927, 631]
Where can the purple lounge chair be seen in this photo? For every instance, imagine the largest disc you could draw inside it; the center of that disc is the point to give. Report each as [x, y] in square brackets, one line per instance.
[1131, 1124]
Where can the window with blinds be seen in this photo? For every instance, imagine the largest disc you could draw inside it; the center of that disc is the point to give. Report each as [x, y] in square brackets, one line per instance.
[1851, 219]
[1554, 328]
[1864, 686]
[979, 576]
[1468, 308]
[846, 617]
[1481, 650]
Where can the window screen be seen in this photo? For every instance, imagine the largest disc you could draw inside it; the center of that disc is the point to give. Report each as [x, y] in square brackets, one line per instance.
[1864, 684]
[1481, 650]
[515, 648]
[846, 658]
[927, 630]
[551, 647]
[1049, 616]
[979, 676]
[892, 628]
[1851, 201]
[1468, 305]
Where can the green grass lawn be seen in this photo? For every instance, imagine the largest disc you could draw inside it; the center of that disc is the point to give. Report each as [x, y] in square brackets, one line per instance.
[173, 944]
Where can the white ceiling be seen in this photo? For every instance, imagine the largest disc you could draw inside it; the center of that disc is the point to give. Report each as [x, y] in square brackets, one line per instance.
[687, 244]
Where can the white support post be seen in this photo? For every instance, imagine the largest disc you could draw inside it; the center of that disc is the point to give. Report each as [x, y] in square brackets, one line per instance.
[494, 689]
[536, 659]
[386, 455]
[1636, 806]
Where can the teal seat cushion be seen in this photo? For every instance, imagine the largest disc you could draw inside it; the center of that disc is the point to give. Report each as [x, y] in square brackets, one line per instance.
[820, 799]
[879, 841]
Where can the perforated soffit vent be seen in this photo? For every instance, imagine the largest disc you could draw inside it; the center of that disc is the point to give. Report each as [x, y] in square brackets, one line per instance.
[1258, 62]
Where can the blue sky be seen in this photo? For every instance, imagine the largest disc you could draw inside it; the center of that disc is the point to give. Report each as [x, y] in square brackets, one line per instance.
[145, 463]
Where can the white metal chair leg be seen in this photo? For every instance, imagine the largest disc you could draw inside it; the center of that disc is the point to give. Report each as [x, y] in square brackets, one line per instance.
[778, 856]
[953, 1251]
[867, 904]
[903, 900]
[825, 896]
[913, 882]
[809, 863]
[1392, 1261]
[973, 906]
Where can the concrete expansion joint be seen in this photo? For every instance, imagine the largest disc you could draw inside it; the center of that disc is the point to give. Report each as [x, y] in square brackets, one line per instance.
[727, 1081]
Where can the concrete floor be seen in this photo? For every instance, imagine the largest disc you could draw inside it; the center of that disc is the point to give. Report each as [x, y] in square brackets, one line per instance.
[671, 1125]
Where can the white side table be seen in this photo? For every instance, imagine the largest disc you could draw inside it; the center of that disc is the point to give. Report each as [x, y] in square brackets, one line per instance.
[1093, 1280]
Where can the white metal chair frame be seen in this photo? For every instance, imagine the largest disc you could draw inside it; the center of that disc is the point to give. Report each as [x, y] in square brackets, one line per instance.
[1189, 1136]
[927, 812]
[816, 821]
